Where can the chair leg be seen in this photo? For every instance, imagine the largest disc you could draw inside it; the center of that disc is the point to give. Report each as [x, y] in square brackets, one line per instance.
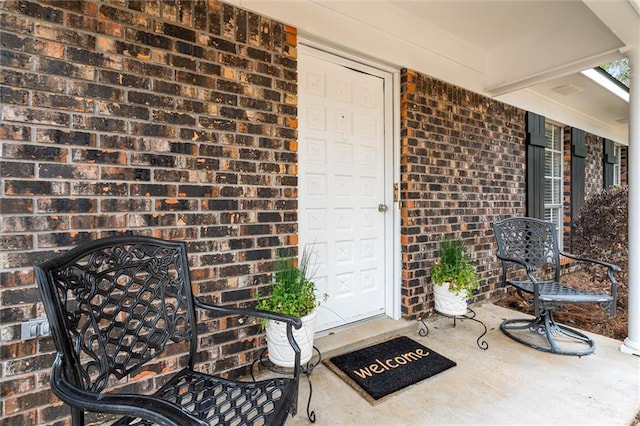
[77, 417]
[545, 325]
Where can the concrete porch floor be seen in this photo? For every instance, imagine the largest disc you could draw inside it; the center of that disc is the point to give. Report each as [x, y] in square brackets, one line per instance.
[508, 384]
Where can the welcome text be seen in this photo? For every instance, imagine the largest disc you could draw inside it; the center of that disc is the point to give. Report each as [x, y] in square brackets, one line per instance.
[380, 367]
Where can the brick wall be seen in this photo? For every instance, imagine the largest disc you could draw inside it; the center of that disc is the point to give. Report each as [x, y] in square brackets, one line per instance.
[462, 168]
[172, 119]
[594, 174]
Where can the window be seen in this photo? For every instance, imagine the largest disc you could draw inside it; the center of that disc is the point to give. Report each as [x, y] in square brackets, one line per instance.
[611, 162]
[616, 166]
[553, 176]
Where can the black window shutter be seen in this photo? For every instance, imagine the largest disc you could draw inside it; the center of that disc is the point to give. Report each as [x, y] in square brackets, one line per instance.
[578, 160]
[609, 159]
[536, 143]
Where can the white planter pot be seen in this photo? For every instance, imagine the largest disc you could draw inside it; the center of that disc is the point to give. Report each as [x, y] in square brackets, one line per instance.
[447, 302]
[280, 351]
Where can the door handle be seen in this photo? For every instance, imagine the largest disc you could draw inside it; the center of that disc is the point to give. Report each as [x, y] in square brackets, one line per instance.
[382, 208]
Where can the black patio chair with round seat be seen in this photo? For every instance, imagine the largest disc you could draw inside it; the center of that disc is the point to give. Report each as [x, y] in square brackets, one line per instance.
[116, 307]
[531, 262]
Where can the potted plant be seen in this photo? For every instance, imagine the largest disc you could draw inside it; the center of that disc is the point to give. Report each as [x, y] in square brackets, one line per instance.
[454, 278]
[292, 293]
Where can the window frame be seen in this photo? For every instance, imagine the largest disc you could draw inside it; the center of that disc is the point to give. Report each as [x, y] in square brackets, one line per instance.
[617, 166]
[554, 132]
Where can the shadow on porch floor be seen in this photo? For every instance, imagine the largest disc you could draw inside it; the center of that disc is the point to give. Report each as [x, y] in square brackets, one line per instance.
[507, 384]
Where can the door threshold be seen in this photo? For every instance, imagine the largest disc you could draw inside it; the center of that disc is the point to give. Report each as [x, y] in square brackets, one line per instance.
[360, 334]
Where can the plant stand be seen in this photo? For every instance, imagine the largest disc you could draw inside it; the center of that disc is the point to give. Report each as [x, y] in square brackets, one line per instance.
[470, 315]
[305, 369]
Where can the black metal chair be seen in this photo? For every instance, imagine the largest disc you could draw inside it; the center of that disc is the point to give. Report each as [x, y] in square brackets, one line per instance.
[115, 306]
[531, 246]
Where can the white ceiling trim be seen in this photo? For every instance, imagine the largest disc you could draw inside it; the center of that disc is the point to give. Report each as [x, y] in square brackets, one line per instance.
[531, 100]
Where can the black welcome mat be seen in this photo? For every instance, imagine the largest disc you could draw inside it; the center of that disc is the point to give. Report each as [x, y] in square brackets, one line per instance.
[378, 371]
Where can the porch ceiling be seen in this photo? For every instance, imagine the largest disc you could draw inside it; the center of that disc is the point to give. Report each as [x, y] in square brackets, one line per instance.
[520, 42]
[508, 49]
[541, 47]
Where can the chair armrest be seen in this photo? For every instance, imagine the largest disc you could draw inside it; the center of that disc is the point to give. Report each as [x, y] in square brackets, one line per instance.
[528, 267]
[611, 268]
[291, 321]
[614, 268]
[147, 407]
[225, 310]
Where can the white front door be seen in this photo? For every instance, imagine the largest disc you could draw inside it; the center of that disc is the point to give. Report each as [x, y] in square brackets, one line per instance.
[342, 199]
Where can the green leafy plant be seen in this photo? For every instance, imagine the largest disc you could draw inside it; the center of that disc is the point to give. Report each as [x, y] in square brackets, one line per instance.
[292, 291]
[455, 267]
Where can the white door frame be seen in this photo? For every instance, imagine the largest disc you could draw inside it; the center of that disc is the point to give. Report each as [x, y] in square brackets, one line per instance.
[391, 78]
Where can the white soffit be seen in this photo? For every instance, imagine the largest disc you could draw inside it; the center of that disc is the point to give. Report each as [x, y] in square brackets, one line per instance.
[523, 42]
[577, 101]
[622, 17]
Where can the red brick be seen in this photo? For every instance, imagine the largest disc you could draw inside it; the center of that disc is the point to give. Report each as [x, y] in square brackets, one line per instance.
[65, 137]
[27, 418]
[58, 412]
[63, 35]
[62, 102]
[97, 91]
[16, 205]
[31, 187]
[125, 17]
[103, 124]
[16, 242]
[15, 60]
[64, 68]
[16, 23]
[13, 350]
[29, 401]
[35, 116]
[16, 170]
